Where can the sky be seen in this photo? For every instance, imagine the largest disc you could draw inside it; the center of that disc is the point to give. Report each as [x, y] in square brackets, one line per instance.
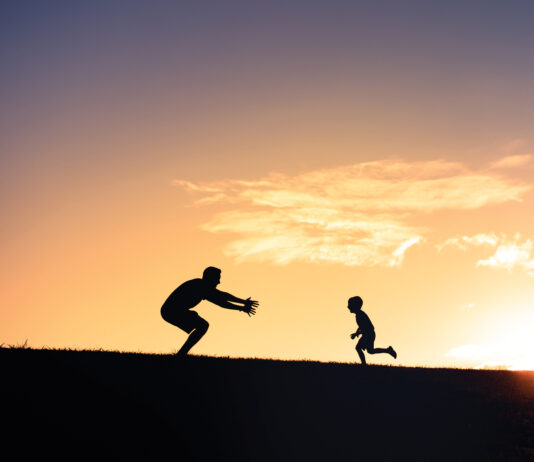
[312, 150]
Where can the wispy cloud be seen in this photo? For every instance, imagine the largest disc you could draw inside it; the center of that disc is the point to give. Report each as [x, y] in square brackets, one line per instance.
[518, 160]
[509, 253]
[386, 185]
[463, 242]
[355, 215]
[315, 235]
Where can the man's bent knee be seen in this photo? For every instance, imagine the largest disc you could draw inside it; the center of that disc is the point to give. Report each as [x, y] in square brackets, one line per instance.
[202, 326]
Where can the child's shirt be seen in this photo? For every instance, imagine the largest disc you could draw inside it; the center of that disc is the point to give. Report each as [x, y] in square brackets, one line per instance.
[364, 323]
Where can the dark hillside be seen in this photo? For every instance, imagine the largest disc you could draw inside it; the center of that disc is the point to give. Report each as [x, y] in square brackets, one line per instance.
[206, 408]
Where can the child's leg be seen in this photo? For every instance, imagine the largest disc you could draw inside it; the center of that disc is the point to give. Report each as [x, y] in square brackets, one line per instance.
[389, 350]
[369, 340]
[361, 355]
[374, 351]
[360, 346]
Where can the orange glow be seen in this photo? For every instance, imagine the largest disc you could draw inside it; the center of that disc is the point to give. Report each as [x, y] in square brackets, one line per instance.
[312, 157]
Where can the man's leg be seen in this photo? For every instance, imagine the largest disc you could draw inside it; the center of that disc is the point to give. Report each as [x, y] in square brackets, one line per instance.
[194, 337]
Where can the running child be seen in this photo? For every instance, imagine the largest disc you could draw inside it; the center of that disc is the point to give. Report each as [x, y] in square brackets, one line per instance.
[366, 330]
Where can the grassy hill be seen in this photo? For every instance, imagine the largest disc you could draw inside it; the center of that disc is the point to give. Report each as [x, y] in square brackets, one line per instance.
[204, 408]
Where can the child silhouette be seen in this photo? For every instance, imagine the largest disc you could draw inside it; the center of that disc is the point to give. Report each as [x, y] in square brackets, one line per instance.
[366, 330]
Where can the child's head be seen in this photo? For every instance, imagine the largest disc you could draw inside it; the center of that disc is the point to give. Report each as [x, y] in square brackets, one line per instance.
[355, 304]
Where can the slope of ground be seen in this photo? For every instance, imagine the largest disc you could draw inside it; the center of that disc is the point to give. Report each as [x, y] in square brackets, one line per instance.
[205, 408]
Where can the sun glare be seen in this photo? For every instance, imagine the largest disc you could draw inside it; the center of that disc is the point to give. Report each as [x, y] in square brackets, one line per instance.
[516, 348]
[513, 348]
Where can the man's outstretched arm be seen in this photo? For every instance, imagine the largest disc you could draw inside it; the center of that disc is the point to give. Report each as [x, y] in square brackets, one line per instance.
[225, 300]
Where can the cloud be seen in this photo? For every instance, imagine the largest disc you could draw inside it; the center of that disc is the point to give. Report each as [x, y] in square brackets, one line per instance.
[464, 242]
[518, 160]
[509, 255]
[356, 215]
[513, 145]
[509, 252]
[379, 186]
[315, 235]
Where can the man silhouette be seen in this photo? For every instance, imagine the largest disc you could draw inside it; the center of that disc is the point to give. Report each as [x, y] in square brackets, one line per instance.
[177, 308]
[366, 330]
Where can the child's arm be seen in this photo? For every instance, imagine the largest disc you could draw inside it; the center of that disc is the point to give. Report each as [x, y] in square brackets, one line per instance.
[356, 334]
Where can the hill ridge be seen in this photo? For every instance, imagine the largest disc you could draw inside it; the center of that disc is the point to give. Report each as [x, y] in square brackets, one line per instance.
[262, 409]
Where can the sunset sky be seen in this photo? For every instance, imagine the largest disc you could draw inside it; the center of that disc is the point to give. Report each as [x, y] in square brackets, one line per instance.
[312, 150]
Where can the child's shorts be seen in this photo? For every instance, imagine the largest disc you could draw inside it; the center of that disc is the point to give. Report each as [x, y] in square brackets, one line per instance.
[367, 341]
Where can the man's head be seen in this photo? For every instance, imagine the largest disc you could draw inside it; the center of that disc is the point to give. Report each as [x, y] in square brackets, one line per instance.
[355, 304]
[212, 276]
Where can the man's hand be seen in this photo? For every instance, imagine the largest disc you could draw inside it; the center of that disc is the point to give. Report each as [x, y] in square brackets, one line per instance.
[353, 336]
[250, 306]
